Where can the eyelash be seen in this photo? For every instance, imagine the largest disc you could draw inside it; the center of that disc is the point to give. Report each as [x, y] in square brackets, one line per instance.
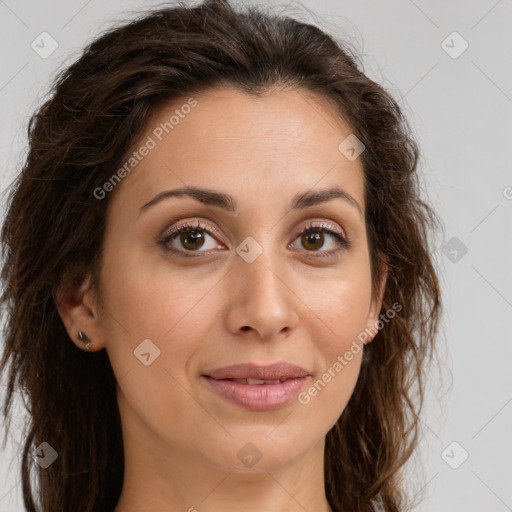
[342, 243]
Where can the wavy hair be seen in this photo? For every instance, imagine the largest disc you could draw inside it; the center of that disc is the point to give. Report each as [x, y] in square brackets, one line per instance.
[54, 228]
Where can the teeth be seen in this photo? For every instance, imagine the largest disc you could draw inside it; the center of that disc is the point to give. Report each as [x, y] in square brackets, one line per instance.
[252, 382]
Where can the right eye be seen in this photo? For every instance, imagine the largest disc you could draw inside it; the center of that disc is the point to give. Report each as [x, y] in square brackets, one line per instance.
[191, 237]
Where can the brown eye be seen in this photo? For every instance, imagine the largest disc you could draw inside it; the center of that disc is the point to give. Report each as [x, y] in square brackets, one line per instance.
[312, 241]
[314, 238]
[192, 240]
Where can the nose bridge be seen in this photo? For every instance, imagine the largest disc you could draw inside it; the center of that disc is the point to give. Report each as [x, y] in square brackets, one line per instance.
[261, 298]
[262, 276]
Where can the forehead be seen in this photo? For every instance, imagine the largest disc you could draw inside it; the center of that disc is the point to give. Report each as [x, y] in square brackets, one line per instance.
[229, 140]
[289, 117]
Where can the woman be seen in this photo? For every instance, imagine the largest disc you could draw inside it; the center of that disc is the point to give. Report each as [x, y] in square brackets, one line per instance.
[218, 274]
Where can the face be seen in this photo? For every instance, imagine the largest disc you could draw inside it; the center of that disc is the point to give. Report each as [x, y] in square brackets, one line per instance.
[241, 284]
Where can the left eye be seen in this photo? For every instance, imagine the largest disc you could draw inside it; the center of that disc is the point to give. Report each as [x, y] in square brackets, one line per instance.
[314, 238]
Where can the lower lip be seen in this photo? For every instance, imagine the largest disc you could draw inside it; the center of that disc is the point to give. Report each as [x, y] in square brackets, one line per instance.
[259, 397]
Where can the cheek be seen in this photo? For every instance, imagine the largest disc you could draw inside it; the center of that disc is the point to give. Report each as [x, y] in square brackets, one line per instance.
[150, 300]
[341, 307]
[143, 304]
[340, 310]
[336, 338]
[328, 395]
[173, 310]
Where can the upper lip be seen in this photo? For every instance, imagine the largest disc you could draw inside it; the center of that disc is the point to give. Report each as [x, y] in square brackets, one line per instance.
[280, 370]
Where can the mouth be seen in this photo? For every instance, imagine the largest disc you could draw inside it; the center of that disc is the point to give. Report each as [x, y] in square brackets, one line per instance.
[256, 387]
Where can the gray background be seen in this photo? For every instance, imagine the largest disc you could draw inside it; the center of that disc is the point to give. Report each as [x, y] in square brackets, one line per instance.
[460, 109]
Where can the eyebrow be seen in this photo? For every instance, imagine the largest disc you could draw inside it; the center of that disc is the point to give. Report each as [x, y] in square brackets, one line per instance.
[226, 202]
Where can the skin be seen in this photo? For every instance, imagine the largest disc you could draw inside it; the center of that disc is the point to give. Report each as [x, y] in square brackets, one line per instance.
[181, 439]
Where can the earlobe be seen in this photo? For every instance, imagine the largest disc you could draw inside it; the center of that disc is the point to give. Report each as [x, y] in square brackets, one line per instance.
[76, 308]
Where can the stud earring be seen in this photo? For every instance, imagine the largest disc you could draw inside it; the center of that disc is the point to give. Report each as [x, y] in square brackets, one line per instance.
[84, 339]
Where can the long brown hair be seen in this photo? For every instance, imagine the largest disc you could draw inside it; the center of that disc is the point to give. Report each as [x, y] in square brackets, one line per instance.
[54, 228]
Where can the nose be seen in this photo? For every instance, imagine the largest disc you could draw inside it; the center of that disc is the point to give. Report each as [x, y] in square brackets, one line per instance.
[262, 300]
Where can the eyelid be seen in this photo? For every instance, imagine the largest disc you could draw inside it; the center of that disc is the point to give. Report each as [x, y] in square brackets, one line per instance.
[321, 224]
[199, 224]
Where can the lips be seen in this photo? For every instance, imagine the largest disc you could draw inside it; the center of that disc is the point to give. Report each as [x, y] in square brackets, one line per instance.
[280, 371]
[258, 387]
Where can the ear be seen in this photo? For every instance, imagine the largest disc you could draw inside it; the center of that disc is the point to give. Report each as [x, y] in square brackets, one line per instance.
[79, 312]
[376, 303]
